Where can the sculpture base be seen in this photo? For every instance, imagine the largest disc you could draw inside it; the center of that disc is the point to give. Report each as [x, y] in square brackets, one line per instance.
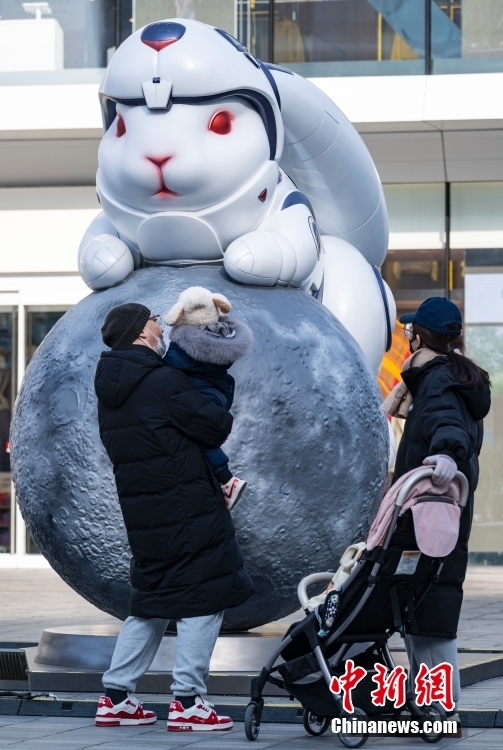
[82, 648]
[74, 659]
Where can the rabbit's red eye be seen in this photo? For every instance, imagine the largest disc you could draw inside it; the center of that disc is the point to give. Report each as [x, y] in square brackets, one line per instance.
[121, 127]
[221, 123]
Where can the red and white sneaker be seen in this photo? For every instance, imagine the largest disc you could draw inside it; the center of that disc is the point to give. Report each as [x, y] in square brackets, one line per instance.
[129, 713]
[233, 491]
[201, 717]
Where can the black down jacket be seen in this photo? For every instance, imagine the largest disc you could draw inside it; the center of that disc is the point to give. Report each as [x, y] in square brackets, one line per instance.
[445, 417]
[186, 561]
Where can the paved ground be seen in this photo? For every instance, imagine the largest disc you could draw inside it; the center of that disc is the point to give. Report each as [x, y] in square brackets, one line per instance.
[481, 623]
[487, 694]
[39, 599]
[76, 734]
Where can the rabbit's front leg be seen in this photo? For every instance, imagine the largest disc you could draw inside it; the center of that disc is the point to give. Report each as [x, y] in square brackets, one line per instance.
[104, 259]
[284, 251]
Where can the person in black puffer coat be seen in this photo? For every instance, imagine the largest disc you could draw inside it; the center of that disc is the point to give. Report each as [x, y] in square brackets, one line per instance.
[186, 563]
[446, 397]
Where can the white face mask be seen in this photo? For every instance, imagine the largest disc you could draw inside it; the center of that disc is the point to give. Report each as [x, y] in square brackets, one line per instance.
[160, 348]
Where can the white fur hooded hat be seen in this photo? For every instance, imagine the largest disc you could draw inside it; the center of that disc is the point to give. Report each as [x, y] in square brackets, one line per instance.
[197, 306]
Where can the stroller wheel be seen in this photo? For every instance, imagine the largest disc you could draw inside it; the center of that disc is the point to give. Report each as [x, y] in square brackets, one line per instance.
[252, 721]
[353, 740]
[434, 715]
[315, 724]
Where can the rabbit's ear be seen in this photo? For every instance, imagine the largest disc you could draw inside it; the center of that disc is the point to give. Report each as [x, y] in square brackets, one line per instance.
[174, 316]
[222, 303]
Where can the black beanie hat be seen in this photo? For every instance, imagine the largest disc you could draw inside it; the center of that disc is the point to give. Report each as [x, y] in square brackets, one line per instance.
[124, 324]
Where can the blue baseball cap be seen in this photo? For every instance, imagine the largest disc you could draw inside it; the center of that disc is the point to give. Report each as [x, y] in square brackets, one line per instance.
[436, 314]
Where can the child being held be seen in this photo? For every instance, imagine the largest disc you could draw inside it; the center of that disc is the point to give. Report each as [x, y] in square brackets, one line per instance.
[204, 343]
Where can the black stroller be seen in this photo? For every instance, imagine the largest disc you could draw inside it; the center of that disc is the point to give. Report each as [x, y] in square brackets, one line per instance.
[375, 602]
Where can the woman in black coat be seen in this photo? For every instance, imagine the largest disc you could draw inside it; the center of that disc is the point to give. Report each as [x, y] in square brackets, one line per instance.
[443, 428]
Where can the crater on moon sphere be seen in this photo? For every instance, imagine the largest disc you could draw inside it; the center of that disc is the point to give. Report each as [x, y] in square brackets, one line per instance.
[308, 436]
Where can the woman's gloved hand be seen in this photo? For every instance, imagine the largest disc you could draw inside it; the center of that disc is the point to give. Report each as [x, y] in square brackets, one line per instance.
[445, 468]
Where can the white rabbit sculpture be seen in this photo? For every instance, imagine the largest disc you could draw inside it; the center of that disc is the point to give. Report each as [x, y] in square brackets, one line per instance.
[211, 156]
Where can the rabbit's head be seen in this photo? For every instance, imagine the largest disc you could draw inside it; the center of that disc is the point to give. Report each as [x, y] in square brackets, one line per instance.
[190, 118]
[184, 159]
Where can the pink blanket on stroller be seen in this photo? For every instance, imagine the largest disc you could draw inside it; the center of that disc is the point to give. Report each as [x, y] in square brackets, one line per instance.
[436, 524]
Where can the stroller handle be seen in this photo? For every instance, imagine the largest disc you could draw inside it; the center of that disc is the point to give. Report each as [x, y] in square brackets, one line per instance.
[308, 581]
[427, 472]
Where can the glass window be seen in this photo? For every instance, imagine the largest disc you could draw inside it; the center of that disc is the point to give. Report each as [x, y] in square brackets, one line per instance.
[477, 213]
[7, 395]
[253, 27]
[313, 37]
[57, 34]
[417, 264]
[219, 13]
[39, 321]
[466, 36]
[350, 37]
[247, 20]
[416, 215]
[415, 275]
[484, 343]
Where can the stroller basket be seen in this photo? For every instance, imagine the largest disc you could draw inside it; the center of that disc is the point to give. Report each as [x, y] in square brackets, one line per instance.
[303, 679]
[379, 598]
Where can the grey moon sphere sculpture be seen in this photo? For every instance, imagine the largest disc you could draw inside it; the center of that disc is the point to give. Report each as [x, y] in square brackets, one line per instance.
[308, 436]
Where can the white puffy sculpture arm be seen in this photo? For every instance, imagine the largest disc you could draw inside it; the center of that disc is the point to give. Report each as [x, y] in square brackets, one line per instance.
[104, 259]
[352, 292]
[284, 251]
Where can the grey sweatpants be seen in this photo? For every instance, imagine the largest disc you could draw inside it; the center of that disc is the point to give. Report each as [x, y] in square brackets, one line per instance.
[433, 651]
[139, 640]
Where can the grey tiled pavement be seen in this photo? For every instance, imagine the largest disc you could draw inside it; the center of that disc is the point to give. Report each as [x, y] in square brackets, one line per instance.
[39, 598]
[487, 694]
[76, 734]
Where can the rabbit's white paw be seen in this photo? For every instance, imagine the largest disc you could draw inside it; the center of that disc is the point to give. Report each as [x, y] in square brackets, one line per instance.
[262, 259]
[104, 261]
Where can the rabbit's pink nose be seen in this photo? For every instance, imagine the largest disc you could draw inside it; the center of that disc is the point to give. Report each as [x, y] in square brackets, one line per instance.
[159, 161]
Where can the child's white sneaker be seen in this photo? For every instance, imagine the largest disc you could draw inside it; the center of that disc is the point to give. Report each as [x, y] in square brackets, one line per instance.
[233, 491]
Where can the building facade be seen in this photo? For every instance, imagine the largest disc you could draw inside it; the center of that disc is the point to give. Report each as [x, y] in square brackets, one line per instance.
[421, 80]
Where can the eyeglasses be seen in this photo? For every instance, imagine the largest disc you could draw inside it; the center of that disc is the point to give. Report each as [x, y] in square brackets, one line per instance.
[157, 319]
[407, 331]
